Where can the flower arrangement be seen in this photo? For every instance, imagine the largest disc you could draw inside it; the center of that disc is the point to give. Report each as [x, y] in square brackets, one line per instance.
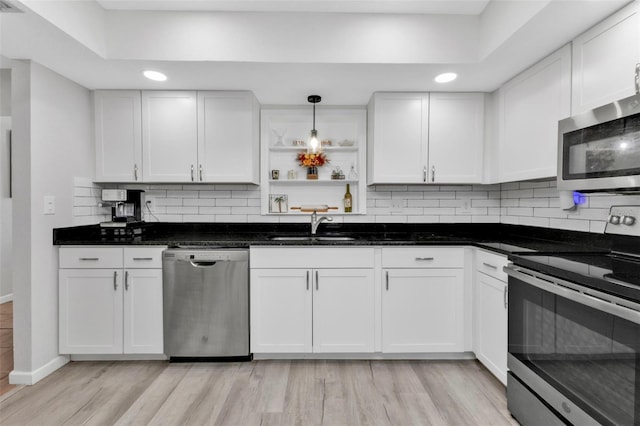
[312, 162]
[307, 159]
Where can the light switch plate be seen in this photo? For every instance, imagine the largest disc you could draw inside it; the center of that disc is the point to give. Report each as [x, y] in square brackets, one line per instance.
[49, 204]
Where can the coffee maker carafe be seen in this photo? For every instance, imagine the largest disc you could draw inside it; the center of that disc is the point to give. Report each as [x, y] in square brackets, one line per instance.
[126, 205]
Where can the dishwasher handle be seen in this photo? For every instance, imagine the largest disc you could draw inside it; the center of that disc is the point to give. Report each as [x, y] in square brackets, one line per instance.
[203, 264]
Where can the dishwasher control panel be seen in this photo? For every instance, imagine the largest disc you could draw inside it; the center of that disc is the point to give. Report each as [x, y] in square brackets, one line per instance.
[206, 255]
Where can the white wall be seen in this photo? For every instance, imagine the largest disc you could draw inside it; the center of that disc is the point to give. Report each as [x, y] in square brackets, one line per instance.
[52, 131]
[6, 289]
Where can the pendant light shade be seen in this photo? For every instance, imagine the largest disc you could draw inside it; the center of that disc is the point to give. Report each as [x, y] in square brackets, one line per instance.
[314, 142]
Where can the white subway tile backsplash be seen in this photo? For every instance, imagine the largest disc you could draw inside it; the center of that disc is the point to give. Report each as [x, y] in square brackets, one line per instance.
[570, 224]
[532, 203]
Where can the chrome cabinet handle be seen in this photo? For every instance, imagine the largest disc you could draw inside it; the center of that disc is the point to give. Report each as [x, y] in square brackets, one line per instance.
[316, 280]
[143, 258]
[433, 173]
[92, 259]
[488, 265]
[387, 279]
[307, 280]
[135, 171]
[126, 280]
[115, 280]
[192, 178]
[638, 78]
[424, 174]
[505, 297]
[200, 172]
[424, 258]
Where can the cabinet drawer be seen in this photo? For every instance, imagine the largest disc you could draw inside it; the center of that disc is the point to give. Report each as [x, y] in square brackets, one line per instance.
[143, 257]
[491, 264]
[423, 257]
[311, 257]
[90, 257]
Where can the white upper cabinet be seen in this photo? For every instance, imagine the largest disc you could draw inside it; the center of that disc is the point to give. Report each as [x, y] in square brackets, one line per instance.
[228, 137]
[118, 135]
[604, 60]
[169, 136]
[456, 129]
[426, 138]
[530, 106]
[398, 137]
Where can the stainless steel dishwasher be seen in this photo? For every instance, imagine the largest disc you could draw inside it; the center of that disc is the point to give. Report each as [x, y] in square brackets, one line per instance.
[206, 303]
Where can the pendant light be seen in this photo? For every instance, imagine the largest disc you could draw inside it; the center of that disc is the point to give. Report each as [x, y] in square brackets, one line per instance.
[314, 142]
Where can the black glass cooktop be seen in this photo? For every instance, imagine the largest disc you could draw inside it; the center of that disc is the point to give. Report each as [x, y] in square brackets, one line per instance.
[611, 273]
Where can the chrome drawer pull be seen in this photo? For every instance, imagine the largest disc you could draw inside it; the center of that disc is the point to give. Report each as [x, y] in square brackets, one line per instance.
[143, 258]
[488, 265]
[316, 280]
[126, 280]
[115, 280]
[93, 259]
[307, 280]
[387, 274]
[424, 258]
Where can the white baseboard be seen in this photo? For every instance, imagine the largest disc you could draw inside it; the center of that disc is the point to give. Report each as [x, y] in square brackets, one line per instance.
[6, 298]
[33, 377]
[436, 356]
[120, 357]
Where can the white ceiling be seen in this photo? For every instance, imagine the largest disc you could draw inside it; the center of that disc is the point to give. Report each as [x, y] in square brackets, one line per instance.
[286, 50]
[445, 7]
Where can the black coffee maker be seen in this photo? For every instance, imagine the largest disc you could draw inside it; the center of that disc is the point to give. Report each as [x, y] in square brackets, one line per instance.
[126, 205]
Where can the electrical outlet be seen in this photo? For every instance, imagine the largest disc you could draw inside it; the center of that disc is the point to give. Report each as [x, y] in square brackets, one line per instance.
[396, 206]
[466, 206]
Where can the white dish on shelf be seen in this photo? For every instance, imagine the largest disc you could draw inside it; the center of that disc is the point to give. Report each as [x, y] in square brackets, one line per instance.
[346, 142]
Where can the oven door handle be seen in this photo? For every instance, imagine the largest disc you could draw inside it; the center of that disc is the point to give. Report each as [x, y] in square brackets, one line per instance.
[573, 292]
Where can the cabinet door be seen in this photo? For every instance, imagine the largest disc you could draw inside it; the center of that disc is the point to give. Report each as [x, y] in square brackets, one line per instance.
[169, 136]
[90, 314]
[143, 311]
[423, 310]
[399, 131]
[456, 137]
[228, 137]
[531, 105]
[343, 310]
[604, 60]
[491, 325]
[281, 310]
[118, 134]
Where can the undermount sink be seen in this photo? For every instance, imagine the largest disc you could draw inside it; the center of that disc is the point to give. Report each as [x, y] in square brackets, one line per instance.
[311, 238]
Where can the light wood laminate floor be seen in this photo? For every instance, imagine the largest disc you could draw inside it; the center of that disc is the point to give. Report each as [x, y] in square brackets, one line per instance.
[6, 346]
[300, 392]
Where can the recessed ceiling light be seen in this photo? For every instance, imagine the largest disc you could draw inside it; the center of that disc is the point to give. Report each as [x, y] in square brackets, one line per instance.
[445, 77]
[154, 75]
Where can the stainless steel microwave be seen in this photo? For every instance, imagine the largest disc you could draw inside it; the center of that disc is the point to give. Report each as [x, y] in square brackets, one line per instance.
[599, 151]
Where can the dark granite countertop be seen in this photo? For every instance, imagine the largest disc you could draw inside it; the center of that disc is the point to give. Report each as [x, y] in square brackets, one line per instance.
[500, 238]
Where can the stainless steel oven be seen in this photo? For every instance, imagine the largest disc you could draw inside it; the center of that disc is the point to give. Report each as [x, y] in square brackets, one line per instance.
[600, 150]
[574, 334]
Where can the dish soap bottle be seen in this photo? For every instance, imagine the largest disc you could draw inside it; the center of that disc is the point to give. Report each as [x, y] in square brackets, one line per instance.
[348, 201]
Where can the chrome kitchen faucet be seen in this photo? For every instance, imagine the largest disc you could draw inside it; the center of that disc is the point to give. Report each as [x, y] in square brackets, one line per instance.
[316, 221]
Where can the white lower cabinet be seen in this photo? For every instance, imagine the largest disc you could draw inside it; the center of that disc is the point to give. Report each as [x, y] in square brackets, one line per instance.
[90, 311]
[312, 310]
[323, 308]
[490, 303]
[110, 300]
[281, 311]
[422, 310]
[423, 300]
